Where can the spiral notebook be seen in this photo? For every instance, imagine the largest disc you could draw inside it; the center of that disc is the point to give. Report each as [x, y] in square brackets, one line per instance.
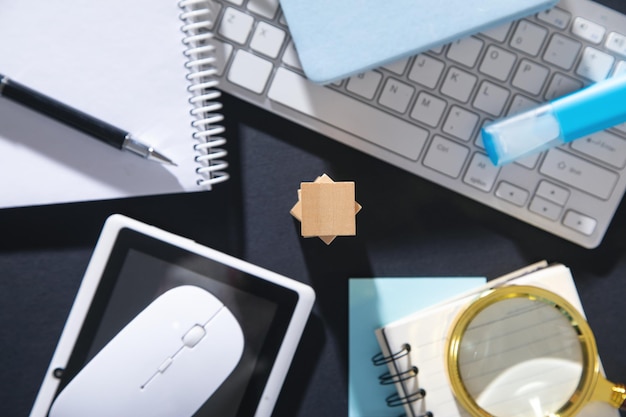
[372, 303]
[141, 65]
[423, 334]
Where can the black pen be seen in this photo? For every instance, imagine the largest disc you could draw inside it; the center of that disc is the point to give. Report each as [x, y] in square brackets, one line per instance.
[63, 113]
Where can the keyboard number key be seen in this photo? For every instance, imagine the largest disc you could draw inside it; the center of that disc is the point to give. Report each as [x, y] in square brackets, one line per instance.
[528, 37]
[465, 51]
[556, 17]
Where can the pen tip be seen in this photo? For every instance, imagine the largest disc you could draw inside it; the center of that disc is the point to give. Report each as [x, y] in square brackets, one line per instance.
[162, 158]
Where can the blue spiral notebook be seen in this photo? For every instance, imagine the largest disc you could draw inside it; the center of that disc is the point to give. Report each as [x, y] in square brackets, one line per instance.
[336, 39]
[374, 302]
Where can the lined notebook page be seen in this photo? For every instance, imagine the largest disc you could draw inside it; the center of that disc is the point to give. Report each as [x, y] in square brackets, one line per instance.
[426, 331]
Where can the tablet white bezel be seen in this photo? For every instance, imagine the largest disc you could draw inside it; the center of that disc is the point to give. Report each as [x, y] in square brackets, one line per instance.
[87, 290]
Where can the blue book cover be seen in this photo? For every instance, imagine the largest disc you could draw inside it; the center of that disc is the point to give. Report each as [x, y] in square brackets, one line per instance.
[374, 302]
[338, 38]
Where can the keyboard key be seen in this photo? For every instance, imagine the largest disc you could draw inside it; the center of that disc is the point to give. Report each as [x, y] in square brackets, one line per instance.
[530, 76]
[549, 191]
[556, 17]
[512, 193]
[579, 222]
[528, 37]
[620, 69]
[348, 114]
[428, 109]
[616, 42]
[397, 67]
[562, 51]
[579, 173]
[290, 56]
[265, 8]
[267, 39]
[465, 51]
[588, 30]
[365, 84]
[222, 55]
[519, 104]
[561, 85]
[460, 123]
[481, 173]
[446, 156]
[396, 95]
[545, 208]
[604, 147]
[528, 161]
[497, 63]
[426, 71]
[491, 98]
[236, 25]
[250, 71]
[458, 84]
[595, 65]
[498, 33]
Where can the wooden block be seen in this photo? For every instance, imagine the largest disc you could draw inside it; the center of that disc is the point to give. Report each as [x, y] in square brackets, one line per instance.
[328, 209]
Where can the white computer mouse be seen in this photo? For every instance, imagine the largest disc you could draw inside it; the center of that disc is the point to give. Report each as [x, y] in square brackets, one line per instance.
[165, 363]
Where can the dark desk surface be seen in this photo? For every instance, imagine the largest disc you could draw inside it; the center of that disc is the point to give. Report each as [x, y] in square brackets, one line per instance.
[408, 227]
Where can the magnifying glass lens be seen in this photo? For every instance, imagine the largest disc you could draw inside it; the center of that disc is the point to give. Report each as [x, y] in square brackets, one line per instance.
[520, 357]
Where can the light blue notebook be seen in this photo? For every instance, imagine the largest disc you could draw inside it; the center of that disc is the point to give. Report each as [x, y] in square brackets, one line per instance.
[338, 38]
[374, 302]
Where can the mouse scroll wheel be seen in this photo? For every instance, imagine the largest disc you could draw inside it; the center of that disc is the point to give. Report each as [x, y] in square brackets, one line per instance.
[193, 336]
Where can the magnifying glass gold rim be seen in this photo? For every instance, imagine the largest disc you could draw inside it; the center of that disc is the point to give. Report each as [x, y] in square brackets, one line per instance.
[592, 386]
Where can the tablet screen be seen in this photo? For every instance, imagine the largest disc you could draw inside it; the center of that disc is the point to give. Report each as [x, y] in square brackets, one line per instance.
[140, 268]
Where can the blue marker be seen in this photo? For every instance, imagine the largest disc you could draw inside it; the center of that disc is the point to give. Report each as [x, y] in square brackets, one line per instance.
[600, 106]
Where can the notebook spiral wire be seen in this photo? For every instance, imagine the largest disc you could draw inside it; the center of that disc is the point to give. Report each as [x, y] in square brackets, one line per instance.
[388, 378]
[202, 70]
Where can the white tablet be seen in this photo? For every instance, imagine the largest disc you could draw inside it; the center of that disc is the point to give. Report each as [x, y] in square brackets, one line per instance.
[134, 263]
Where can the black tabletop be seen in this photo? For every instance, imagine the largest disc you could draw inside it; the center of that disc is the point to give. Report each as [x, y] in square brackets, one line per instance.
[407, 227]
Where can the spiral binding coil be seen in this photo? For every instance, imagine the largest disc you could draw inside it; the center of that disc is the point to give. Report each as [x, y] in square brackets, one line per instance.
[202, 79]
[388, 378]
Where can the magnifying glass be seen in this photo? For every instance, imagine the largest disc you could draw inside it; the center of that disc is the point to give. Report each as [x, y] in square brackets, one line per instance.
[524, 351]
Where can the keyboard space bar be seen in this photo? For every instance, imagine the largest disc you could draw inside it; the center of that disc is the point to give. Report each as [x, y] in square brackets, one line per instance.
[347, 114]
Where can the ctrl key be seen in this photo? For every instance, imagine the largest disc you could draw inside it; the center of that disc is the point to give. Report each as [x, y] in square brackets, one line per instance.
[579, 222]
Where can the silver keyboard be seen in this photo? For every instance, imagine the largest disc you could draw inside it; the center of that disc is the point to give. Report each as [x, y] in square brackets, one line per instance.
[424, 113]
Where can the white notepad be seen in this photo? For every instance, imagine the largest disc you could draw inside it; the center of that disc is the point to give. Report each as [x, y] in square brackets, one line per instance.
[120, 61]
[427, 331]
